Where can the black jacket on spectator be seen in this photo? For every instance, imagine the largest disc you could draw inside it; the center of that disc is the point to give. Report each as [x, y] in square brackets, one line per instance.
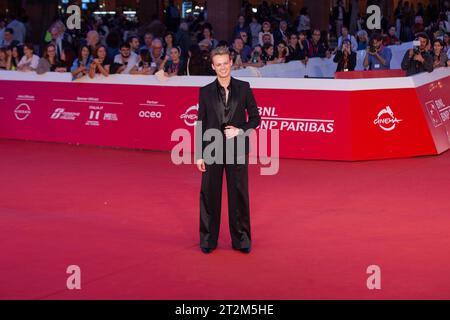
[317, 51]
[181, 68]
[412, 66]
[278, 36]
[339, 59]
[297, 53]
[199, 65]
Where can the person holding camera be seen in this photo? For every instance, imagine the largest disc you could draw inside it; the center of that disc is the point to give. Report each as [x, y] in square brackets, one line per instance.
[418, 59]
[378, 57]
[346, 57]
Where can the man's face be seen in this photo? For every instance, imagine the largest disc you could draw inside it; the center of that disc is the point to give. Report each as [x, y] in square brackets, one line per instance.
[238, 44]
[266, 38]
[376, 43]
[157, 48]
[244, 36]
[344, 32]
[423, 43]
[92, 39]
[316, 36]
[54, 32]
[222, 65]
[148, 40]
[8, 36]
[135, 43]
[293, 39]
[125, 52]
[283, 26]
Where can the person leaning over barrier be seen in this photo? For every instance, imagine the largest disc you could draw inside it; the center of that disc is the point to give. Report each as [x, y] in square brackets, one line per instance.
[440, 58]
[101, 63]
[29, 61]
[50, 62]
[81, 65]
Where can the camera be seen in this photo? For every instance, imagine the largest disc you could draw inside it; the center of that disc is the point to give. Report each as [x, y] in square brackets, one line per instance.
[416, 47]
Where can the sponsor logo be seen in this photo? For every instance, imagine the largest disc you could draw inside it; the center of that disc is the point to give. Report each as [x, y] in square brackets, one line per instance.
[386, 119]
[150, 114]
[110, 117]
[60, 113]
[190, 116]
[22, 111]
[94, 116]
[271, 120]
[97, 113]
[438, 112]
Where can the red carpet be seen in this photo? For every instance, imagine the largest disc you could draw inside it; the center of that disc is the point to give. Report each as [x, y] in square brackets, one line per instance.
[129, 219]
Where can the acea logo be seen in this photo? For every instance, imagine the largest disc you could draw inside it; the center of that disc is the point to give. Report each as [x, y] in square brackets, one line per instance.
[190, 116]
[22, 111]
[386, 119]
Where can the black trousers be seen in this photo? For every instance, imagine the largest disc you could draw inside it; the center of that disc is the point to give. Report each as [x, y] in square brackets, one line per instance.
[238, 204]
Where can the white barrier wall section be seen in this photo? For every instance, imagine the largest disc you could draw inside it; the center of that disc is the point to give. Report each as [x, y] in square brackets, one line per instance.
[263, 83]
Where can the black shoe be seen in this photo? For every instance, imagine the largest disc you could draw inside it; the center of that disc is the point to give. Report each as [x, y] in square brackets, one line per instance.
[243, 250]
[207, 250]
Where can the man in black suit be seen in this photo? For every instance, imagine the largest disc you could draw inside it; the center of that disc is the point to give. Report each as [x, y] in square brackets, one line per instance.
[223, 105]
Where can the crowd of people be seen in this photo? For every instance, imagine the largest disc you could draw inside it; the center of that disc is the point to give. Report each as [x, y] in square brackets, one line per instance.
[115, 45]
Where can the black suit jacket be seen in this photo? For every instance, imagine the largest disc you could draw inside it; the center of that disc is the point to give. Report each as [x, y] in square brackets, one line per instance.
[242, 104]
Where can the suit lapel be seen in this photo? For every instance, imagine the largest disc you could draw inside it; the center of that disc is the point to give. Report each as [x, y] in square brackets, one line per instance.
[216, 105]
[234, 97]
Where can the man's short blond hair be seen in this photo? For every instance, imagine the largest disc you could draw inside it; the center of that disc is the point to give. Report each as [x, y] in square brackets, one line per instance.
[220, 51]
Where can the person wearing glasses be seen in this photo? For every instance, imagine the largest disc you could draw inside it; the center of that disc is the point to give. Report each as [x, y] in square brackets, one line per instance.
[50, 62]
[317, 47]
[156, 53]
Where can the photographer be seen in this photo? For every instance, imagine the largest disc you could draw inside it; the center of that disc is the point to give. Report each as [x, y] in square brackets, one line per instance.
[346, 57]
[377, 56]
[418, 59]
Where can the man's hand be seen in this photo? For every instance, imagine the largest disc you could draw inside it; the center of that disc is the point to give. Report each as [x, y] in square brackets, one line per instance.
[411, 53]
[418, 57]
[201, 165]
[231, 132]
